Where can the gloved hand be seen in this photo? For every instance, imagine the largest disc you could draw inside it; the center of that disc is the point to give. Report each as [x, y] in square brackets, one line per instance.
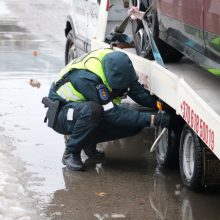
[162, 119]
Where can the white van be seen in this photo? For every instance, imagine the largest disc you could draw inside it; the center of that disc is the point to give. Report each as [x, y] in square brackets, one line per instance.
[82, 23]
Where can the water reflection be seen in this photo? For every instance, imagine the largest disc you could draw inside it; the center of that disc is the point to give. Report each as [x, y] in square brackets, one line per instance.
[121, 188]
[170, 200]
[99, 167]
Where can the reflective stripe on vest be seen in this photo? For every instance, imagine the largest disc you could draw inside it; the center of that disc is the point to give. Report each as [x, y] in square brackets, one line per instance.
[91, 61]
[67, 92]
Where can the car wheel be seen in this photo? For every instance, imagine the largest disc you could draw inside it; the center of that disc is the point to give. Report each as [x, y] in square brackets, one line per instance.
[190, 159]
[141, 40]
[70, 50]
[166, 151]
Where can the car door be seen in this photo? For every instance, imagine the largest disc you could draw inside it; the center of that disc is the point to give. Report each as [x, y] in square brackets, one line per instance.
[182, 21]
[79, 16]
[92, 21]
[212, 28]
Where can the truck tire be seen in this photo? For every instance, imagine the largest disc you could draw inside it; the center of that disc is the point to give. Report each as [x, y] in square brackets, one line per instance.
[70, 49]
[141, 41]
[166, 152]
[191, 159]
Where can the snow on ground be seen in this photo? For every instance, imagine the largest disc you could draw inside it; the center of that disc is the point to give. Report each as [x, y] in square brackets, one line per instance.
[3, 9]
[16, 202]
[66, 1]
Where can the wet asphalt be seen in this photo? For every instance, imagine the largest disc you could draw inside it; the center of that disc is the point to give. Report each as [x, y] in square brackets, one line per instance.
[127, 185]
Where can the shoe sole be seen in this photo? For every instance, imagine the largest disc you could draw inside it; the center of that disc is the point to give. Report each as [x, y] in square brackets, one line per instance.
[73, 169]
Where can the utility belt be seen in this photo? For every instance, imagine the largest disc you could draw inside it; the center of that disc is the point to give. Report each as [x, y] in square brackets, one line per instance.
[52, 112]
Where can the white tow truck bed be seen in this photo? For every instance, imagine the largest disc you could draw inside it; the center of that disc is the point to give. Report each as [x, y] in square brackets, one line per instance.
[190, 90]
[206, 85]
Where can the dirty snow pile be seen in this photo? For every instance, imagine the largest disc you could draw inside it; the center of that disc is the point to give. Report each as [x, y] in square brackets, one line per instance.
[15, 201]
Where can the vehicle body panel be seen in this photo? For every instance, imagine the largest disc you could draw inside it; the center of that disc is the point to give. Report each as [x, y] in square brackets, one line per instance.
[83, 18]
[193, 28]
[182, 21]
[80, 18]
[187, 11]
[92, 16]
[212, 16]
[212, 28]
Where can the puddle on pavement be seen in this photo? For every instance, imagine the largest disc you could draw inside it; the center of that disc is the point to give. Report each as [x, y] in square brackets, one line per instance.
[18, 47]
[128, 193]
[127, 185]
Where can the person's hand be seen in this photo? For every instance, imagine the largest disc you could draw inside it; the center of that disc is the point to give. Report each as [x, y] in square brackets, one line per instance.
[135, 13]
[162, 119]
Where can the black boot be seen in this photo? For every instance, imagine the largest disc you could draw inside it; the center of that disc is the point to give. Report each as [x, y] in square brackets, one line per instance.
[72, 161]
[94, 154]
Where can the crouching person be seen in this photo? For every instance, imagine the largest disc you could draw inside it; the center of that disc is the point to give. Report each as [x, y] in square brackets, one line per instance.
[87, 94]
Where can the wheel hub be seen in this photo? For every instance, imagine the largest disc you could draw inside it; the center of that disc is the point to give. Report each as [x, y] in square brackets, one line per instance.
[140, 39]
[163, 146]
[72, 52]
[188, 156]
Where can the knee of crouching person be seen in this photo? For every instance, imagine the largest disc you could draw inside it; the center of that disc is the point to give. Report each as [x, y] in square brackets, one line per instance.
[96, 111]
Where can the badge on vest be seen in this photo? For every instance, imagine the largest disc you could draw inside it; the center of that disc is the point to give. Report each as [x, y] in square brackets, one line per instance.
[103, 93]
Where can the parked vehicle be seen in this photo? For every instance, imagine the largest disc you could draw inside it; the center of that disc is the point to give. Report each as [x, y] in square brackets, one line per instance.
[80, 27]
[82, 24]
[182, 27]
[192, 139]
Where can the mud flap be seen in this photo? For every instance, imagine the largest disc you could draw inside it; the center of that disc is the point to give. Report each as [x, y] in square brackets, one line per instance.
[211, 169]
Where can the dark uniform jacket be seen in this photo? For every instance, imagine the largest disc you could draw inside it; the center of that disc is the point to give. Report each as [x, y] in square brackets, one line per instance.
[120, 76]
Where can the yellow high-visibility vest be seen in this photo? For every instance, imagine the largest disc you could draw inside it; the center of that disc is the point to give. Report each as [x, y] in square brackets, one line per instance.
[91, 62]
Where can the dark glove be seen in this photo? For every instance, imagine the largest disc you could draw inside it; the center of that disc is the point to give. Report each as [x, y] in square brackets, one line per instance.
[162, 119]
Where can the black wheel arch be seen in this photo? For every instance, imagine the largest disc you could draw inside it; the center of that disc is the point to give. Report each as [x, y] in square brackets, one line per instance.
[69, 26]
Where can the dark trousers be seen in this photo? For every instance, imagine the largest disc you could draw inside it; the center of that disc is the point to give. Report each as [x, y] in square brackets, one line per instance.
[88, 126]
